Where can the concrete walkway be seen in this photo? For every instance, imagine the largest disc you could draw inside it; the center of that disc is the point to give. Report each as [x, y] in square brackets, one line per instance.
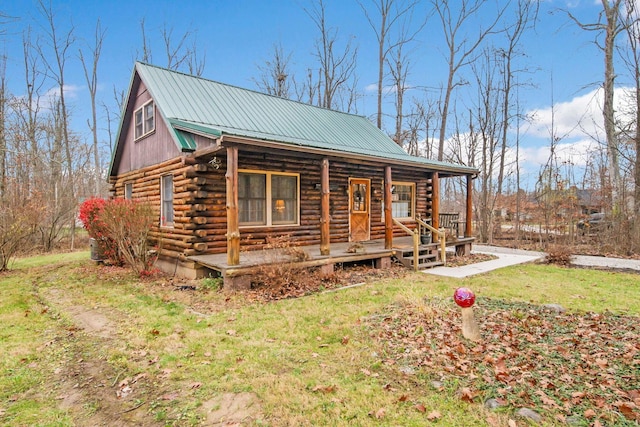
[620, 264]
[508, 257]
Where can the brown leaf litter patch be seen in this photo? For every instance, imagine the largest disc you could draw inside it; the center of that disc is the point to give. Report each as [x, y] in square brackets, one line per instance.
[284, 281]
[571, 367]
[295, 283]
[459, 261]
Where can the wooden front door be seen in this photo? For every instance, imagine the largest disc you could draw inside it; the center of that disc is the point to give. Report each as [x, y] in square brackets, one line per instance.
[359, 209]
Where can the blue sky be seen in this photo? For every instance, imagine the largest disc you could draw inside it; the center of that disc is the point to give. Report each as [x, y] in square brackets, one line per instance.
[237, 36]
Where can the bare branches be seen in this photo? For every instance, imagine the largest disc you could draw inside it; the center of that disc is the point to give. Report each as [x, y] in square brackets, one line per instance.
[460, 52]
[146, 47]
[337, 68]
[275, 77]
[91, 77]
[181, 53]
[610, 26]
[390, 13]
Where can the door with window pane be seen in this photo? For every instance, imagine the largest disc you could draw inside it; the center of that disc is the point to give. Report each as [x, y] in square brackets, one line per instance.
[359, 209]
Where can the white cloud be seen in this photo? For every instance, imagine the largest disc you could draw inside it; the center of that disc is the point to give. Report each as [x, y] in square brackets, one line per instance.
[575, 153]
[47, 100]
[580, 117]
[70, 92]
[371, 88]
[386, 90]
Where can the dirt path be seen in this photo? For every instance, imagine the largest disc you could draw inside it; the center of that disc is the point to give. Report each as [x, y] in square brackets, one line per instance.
[89, 387]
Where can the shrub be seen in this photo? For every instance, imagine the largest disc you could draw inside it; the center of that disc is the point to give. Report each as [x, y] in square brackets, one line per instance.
[280, 268]
[128, 224]
[18, 220]
[559, 255]
[90, 214]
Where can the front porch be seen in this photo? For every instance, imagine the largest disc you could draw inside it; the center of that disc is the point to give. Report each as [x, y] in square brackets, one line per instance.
[238, 276]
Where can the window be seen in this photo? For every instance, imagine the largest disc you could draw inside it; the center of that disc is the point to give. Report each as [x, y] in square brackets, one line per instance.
[359, 196]
[252, 195]
[284, 199]
[166, 195]
[128, 190]
[266, 198]
[144, 118]
[402, 197]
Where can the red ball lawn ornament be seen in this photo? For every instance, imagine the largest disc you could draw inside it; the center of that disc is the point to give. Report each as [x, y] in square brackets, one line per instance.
[465, 298]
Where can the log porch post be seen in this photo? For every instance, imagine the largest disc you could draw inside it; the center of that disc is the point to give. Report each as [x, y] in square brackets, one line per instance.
[233, 229]
[467, 225]
[388, 216]
[435, 200]
[325, 217]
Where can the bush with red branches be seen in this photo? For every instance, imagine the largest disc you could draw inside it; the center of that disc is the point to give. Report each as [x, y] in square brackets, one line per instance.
[90, 214]
[121, 229]
[128, 224]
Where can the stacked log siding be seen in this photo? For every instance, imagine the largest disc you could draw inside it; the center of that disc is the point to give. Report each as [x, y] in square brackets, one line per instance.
[200, 218]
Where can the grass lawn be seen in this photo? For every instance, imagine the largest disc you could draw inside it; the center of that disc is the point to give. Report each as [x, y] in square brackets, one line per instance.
[90, 345]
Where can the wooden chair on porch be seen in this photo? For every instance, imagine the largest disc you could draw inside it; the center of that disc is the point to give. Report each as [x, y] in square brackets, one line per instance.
[450, 222]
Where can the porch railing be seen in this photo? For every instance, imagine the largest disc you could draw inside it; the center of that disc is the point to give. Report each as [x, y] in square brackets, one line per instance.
[415, 234]
[440, 235]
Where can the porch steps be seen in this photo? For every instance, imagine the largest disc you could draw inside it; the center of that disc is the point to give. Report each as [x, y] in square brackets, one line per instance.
[427, 257]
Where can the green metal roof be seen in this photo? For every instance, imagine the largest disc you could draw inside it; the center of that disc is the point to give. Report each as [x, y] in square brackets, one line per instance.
[192, 103]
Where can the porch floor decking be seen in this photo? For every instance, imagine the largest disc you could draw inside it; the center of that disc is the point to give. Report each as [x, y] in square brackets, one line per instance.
[369, 250]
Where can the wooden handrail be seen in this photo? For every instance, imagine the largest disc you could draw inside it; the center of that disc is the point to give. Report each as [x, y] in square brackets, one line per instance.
[416, 241]
[441, 236]
[415, 234]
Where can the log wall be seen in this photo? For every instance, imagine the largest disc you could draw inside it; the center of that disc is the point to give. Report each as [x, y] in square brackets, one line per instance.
[200, 200]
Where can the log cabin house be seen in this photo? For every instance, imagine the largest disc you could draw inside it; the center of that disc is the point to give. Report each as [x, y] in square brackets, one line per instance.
[228, 168]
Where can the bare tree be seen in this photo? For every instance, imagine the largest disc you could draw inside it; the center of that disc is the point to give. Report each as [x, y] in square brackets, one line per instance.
[275, 77]
[309, 89]
[60, 45]
[181, 55]
[631, 57]
[610, 26]
[526, 13]
[552, 189]
[27, 110]
[3, 123]
[177, 53]
[460, 52]
[337, 68]
[145, 55]
[389, 12]
[195, 64]
[399, 69]
[91, 76]
[488, 125]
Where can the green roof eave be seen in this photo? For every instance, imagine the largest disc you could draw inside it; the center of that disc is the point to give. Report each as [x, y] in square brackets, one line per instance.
[186, 140]
[319, 146]
[197, 128]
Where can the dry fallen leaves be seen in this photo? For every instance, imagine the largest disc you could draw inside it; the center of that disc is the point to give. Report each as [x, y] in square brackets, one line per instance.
[583, 365]
[380, 413]
[325, 388]
[434, 415]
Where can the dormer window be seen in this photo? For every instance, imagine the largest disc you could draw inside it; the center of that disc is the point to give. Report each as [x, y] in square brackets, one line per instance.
[144, 120]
